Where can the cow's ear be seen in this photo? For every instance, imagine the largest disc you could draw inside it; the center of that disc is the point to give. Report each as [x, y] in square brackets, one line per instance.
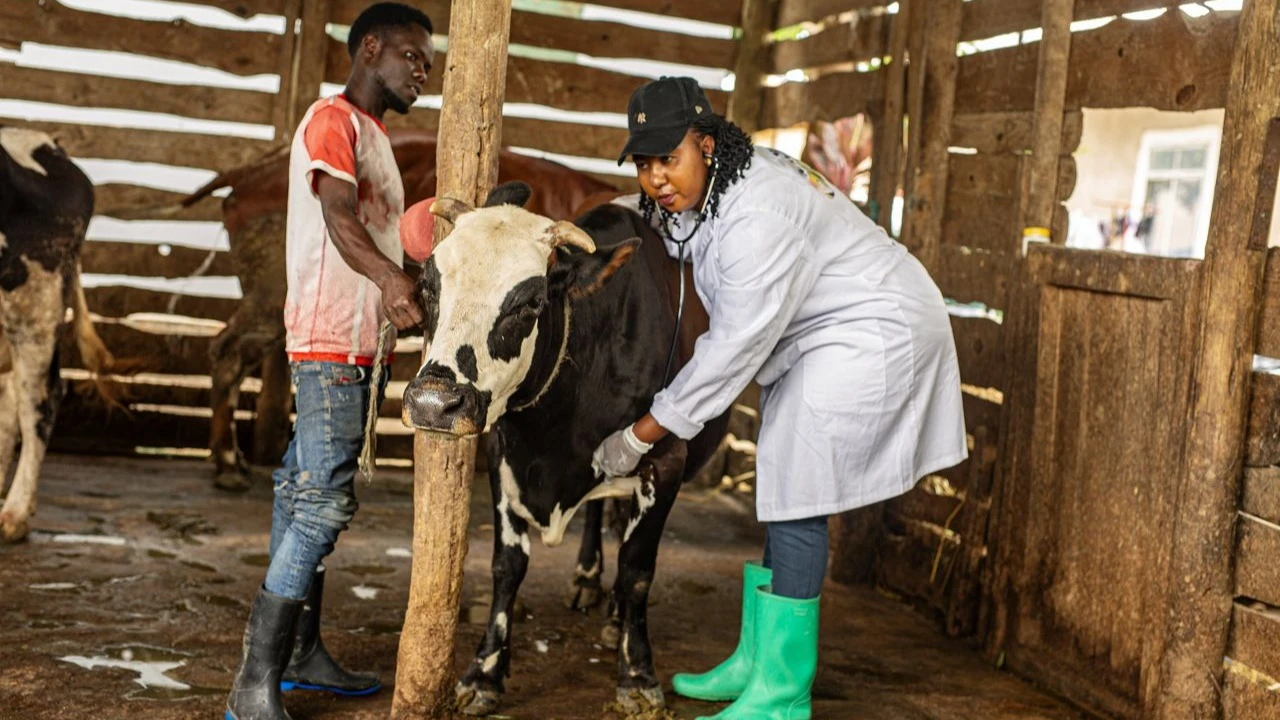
[509, 193]
[579, 274]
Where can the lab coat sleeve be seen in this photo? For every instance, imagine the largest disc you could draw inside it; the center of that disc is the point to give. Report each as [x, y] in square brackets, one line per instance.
[764, 272]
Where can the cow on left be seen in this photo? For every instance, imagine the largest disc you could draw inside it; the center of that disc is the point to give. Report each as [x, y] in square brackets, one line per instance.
[45, 206]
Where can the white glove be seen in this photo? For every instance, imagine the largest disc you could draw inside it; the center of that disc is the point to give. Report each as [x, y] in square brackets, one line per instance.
[619, 454]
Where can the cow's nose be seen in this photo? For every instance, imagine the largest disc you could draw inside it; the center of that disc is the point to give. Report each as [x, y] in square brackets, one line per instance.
[442, 405]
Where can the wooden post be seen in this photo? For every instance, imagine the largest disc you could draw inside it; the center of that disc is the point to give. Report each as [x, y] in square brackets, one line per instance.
[1039, 196]
[750, 64]
[887, 152]
[1200, 572]
[928, 197]
[282, 108]
[475, 74]
[308, 62]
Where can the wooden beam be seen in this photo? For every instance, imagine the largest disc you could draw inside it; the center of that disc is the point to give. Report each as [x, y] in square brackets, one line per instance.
[593, 141]
[887, 151]
[96, 91]
[1257, 573]
[1039, 170]
[1169, 63]
[1262, 434]
[467, 165]
[987, 19]
[865, 38]
[560, 85]
[128, 201]
[793, 12]
[830, 97]
[1261, 498]
[928, 188]
[1203, 530]
[153, 146]
[746, 105]
[722, 12]
[1011, 132]
[145, 260]
[52, 23]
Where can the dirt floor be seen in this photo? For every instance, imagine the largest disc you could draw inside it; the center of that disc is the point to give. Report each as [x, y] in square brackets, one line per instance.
[130, 597]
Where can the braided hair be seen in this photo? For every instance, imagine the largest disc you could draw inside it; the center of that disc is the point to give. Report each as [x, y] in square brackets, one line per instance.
[730, 158]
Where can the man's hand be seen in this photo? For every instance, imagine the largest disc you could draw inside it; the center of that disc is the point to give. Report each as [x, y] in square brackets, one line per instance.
[400, 300]
[619, 454]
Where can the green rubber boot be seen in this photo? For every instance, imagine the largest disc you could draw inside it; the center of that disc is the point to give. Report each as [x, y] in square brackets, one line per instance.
[727, 680]
[786, 660]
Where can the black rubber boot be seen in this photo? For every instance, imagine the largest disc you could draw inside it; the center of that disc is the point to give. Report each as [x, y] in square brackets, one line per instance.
[312, 668]
[268, 640]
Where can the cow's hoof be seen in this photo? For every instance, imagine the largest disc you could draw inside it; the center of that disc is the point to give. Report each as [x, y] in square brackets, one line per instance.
[231, 480]
[639, 701]
[12, 530]
[610, 636]
[584, 594]
[475, 701]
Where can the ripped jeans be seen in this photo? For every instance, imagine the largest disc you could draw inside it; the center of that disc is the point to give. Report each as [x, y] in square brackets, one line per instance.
[315, 494]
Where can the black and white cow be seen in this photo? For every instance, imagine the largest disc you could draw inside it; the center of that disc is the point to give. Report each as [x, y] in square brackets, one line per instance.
[45, 206]
[553, 335]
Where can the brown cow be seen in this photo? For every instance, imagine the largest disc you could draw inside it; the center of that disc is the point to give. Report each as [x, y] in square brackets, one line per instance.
[254, 215]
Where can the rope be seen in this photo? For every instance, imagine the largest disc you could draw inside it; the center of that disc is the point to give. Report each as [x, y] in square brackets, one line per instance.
[369, 454]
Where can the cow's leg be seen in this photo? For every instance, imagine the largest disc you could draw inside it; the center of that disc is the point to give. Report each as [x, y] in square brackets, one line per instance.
[226, 353]
[8, 425]
[638, 686]
[584, 590]
[33, 313]
[482, 685]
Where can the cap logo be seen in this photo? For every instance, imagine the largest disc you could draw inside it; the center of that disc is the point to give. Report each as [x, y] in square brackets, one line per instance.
[698, 109]
[640, 119]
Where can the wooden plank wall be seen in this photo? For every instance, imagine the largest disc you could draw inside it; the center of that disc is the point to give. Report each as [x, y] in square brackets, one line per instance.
[169, 402]
[1254, 646]
[933, 544]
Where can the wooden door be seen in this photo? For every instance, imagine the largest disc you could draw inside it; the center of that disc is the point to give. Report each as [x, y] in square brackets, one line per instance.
[1096, 427]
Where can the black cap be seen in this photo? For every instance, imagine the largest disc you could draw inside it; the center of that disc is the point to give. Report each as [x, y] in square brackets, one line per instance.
[660, 114]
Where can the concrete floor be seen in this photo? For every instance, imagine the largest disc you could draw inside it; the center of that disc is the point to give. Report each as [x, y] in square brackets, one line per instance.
[164, 568]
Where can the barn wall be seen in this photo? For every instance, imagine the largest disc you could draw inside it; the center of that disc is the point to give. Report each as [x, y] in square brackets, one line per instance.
[939, 545]
[138, 267]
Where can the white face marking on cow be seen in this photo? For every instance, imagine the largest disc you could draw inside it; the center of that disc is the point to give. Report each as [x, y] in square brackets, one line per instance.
[489, 252]
[21, 145]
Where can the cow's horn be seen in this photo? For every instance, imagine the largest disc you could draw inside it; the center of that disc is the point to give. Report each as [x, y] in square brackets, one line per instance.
[450, 209]
[566, 233]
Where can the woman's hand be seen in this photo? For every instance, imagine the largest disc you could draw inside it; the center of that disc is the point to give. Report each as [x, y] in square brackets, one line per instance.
[619, 454]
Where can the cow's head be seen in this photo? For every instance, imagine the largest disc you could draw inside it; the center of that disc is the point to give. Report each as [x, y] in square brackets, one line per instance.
[483, 291]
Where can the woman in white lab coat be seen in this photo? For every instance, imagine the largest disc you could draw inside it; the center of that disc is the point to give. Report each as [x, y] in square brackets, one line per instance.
[846, 334]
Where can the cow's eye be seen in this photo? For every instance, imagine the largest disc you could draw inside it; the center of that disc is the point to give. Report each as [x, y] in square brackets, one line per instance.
[531, 308]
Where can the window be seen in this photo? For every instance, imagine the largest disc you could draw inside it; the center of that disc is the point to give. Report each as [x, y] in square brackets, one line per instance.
[1173, 191]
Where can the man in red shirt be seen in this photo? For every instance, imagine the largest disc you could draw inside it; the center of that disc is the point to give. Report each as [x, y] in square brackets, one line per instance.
[345, 276]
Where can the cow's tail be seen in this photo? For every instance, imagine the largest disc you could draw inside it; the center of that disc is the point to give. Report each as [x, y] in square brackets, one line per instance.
[93, 352]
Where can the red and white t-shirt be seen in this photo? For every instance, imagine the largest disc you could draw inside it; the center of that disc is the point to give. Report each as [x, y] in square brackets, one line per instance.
[332, 313]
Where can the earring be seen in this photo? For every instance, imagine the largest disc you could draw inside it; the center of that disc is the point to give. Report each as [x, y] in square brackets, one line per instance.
[707, 160]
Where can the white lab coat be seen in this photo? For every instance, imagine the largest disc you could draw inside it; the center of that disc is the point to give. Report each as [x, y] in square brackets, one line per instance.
[842, 327]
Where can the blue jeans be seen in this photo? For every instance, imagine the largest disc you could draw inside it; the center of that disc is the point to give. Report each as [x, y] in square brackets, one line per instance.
[315, 485]
[796, 550]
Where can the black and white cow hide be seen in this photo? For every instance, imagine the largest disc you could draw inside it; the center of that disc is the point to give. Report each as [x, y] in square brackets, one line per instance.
[551, 336]
[45, 206]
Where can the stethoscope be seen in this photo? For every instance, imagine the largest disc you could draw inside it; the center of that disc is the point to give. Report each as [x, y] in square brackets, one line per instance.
[680, 244]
